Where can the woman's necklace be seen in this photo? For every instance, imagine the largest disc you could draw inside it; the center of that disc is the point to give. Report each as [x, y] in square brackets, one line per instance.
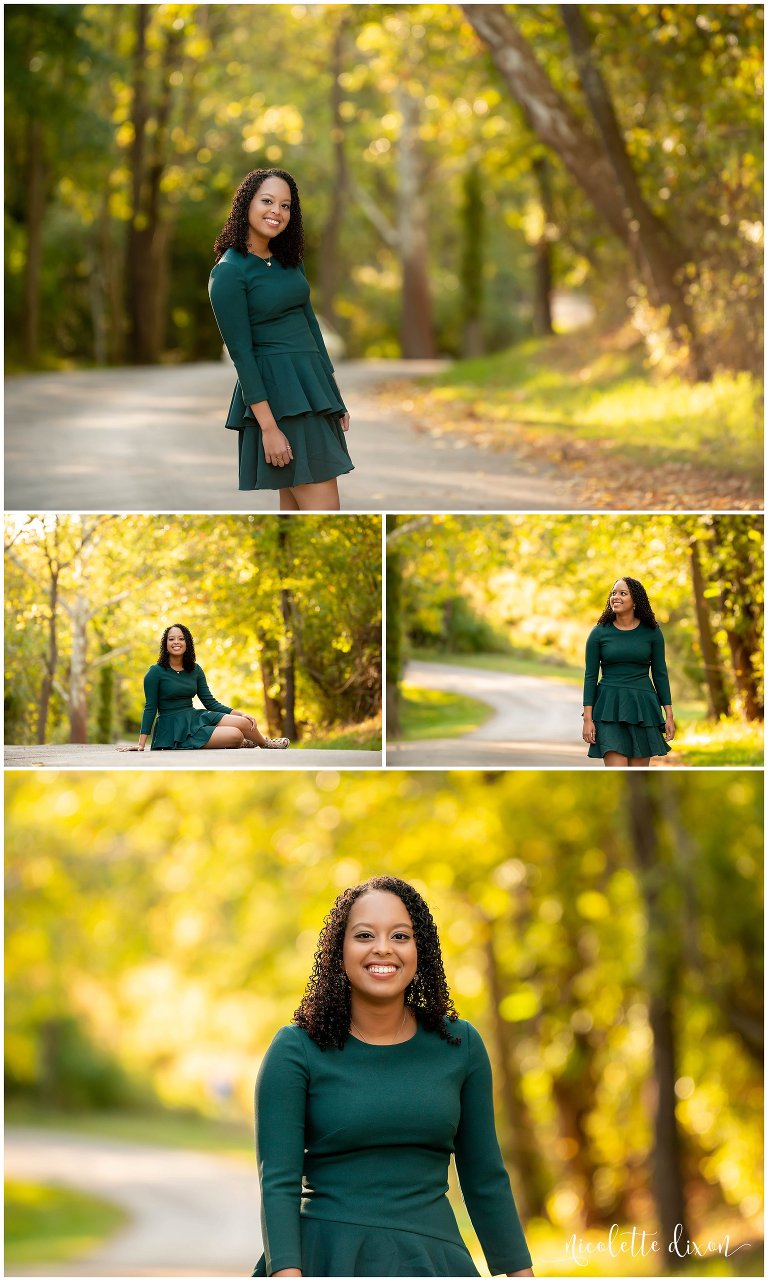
[267, 260]
[367, 1042]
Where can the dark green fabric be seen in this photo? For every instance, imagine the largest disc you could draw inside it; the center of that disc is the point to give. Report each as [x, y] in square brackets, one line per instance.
[271, 332]
[362, 1137]
[627, 702]
[169, 697]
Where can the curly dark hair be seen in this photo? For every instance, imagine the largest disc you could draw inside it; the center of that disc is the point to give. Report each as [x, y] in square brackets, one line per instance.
[640, 601]
[288, 247]
[326, 1006]
[188, 658]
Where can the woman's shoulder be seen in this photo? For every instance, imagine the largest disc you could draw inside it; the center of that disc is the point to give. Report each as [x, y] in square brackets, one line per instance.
[597, 631]
[231, 258]
[154, 670]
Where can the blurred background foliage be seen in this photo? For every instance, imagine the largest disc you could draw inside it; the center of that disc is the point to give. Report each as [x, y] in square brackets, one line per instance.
[285, 614]
[450, 205]
[605, 935]
[532, 587]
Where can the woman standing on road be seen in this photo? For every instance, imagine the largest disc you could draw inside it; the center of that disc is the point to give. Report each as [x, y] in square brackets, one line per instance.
[169, 687]
[623, 722]
[361, 1101]
[286, 407]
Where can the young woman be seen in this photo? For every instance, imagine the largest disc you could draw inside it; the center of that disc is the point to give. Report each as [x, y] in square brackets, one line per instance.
[361, 1101]
[286, 407]
[169, 687]
[623, 722]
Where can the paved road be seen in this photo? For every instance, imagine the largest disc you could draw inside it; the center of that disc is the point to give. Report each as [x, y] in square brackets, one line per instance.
[81, 755]
[536, 722]
[151, 439]
[191, 1214]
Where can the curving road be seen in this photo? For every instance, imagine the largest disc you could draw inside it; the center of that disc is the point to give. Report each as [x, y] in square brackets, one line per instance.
[103, 755]
[152, 439]
[191, 1214]
[536, 722]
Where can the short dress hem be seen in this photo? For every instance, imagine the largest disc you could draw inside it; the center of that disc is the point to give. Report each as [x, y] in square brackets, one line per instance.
[187, 730]
[332, 1248]
[628, 722]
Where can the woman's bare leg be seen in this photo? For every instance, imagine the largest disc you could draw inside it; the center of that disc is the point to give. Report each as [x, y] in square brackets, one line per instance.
[639, 760]
[287, 501]
[248, 727]
[612, 759]
[321, 497]
[226, 736]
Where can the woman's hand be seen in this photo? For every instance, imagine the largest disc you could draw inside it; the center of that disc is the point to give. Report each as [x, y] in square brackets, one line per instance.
[131, 749]
[344, 420]
[287, 1272]
[588, 731]
[669, 728]
[277, 448]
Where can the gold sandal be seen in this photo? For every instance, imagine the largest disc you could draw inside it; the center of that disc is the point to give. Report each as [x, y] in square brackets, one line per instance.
[276, 742]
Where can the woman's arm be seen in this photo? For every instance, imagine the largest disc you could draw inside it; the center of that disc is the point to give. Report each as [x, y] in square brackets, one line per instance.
[591, 674]
[316, 330]
[484, 1181]
[204, 694]
[226, 289]
[281, 1103]
[660, 678]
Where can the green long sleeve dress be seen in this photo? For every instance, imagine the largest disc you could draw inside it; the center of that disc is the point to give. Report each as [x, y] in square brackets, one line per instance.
[626, 704]
[271, 332]
[179, 725]
[353, 1147]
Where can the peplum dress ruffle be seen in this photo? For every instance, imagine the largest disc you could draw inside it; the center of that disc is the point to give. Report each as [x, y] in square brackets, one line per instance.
[627, 702]
[179, 725]
[271, 332]
[353, 1147]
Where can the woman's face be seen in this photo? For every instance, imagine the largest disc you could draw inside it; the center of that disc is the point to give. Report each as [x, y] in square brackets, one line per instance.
[175, 642]
[379, 955]
[621, 599]
[270, 209]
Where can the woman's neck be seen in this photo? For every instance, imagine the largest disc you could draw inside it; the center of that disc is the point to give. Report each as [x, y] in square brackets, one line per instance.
[381, 1022]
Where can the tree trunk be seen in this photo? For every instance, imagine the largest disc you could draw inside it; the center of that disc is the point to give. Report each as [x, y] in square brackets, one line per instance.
[663, 980]
[472, 225]
[52, 659]
[657, 254]
[417, 338]
[287, 641]
[78, 667]
[543, 272]
[273, 706]
[717, 694]
[533, 1181]
[330, 266]
[394, 633]
[148, 236]
[35, 211]
[745, 675]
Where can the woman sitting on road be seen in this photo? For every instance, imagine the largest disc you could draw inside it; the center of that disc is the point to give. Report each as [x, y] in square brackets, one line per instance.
[169, 687]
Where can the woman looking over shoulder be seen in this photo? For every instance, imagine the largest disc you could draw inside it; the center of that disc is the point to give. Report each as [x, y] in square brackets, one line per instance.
[623, 722]
[286, 407]
[169, 687]
[361, 1101]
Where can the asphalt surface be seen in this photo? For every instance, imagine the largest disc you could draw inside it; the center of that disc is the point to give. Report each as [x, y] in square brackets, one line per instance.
[105, 756]
[152, 439]
[536, 723]
[191, 1213]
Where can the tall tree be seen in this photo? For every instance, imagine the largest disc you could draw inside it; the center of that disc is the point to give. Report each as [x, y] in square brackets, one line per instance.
[602, 169]
[663, 979]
